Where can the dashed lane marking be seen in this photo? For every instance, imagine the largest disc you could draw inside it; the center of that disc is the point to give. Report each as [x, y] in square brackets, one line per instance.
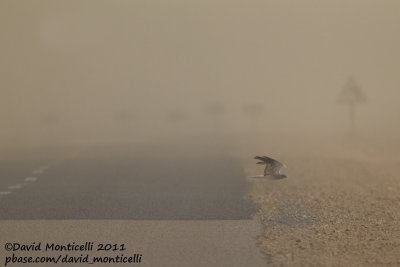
[44, 167]
[30, 179]
[16, 186]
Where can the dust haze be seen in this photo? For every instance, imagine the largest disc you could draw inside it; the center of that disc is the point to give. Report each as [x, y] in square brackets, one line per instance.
[136, 71]
[154, 110]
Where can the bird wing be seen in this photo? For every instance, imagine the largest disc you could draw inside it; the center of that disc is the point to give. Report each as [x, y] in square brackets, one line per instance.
[272, 166]
[266, 160]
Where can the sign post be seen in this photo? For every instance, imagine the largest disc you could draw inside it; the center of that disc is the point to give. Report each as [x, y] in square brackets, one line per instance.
[351, 95]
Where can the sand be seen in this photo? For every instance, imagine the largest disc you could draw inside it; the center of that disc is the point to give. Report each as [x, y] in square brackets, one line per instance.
[339, 206]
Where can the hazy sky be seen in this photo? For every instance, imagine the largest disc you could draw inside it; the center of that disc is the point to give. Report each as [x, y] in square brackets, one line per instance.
[84, 70]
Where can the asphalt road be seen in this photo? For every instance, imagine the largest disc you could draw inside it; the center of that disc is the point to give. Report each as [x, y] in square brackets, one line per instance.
[177, 243]
[175, 208]
[120, 182]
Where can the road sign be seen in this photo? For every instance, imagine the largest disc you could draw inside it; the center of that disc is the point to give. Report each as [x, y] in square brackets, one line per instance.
[351, 95]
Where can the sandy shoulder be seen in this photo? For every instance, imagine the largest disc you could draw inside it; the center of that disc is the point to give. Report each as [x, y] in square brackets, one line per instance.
[332, 210]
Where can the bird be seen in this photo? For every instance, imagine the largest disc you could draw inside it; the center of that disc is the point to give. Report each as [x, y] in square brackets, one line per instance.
[272, 167]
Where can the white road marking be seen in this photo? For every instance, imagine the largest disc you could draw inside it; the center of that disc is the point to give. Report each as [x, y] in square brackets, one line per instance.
[17, 186]
[44, 167]
[30, 179]
[27, 179]
[41, 169]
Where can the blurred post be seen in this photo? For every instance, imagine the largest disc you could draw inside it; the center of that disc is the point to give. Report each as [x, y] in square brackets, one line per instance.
[215, 112]
[352, 119]
[253, 113]
[351, 95]
[176, 119]
[124, 119]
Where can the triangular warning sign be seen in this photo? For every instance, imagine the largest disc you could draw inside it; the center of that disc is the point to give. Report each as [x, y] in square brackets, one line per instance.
[351, 93]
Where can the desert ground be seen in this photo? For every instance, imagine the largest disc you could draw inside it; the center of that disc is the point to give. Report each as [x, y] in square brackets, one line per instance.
[339, 205]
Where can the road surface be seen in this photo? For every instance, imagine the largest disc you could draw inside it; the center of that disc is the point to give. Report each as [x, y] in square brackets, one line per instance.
[105, 183]
[177, 209]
